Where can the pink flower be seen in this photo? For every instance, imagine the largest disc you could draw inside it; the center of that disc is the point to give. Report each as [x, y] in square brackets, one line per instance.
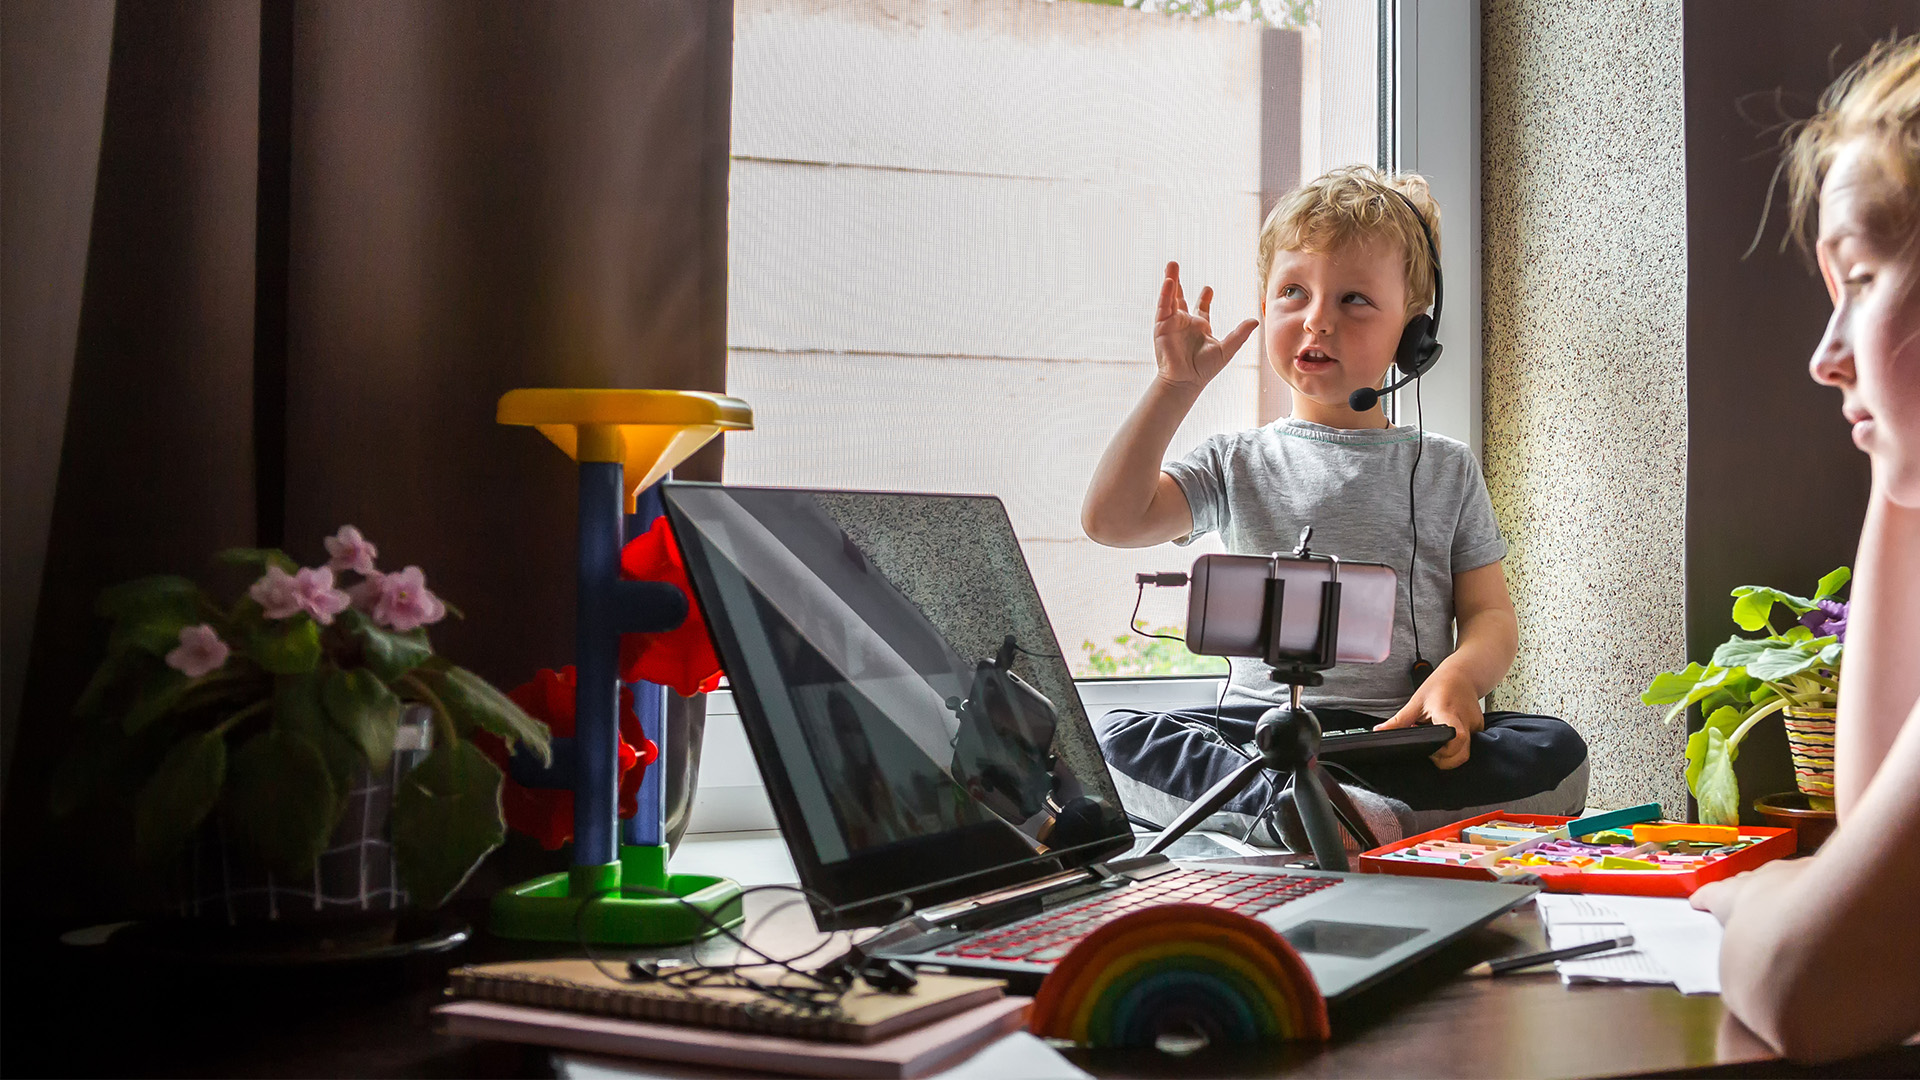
[405, 604]
[201, 651]
[366, 594]
[350, 551]
[282, 595]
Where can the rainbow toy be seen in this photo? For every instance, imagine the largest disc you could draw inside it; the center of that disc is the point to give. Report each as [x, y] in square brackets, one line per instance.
[1180, 969]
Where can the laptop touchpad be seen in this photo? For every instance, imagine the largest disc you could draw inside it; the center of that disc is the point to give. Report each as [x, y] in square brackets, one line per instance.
[1358, 940]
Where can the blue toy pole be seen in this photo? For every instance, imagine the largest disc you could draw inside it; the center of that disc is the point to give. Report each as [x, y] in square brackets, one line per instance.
[648, 825]
[597, 662]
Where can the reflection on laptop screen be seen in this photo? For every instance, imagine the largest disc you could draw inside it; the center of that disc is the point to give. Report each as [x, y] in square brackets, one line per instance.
[900, 679]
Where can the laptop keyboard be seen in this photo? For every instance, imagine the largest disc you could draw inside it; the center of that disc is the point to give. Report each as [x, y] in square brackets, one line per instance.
[1046, 938]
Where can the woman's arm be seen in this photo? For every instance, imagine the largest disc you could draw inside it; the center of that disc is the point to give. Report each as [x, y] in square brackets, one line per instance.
[1130, 502]
[1821, 955]
[1880, 680]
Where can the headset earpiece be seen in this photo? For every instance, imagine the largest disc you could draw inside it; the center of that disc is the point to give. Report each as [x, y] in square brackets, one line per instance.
[1418, 348]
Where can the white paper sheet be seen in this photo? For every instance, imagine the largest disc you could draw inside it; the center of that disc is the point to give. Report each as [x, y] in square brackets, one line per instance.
[1671, 939]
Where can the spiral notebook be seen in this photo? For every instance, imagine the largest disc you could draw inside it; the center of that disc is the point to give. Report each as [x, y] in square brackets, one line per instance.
[863, 1014]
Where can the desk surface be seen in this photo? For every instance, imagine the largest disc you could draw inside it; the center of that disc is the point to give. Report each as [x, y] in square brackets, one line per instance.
[87, 1012]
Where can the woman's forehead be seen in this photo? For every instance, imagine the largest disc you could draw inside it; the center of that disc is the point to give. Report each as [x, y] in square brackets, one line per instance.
[1854, 194]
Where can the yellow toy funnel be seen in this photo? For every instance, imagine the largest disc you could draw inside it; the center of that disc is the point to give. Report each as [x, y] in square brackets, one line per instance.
[647, 431]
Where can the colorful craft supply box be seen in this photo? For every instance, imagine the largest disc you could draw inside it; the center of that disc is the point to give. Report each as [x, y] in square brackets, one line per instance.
[1684, 857]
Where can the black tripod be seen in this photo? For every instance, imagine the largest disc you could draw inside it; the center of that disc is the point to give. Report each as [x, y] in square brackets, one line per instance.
[1288, 736]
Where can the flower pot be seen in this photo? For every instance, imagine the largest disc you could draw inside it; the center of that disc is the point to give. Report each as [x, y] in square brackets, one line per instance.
[355, 880]
[1810, 740]
[1811, 823]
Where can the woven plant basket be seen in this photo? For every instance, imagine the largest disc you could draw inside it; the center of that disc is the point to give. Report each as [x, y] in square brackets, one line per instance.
[1810, 740]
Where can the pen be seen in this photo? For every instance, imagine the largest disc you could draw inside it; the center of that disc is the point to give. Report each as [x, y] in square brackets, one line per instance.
[1515, 963]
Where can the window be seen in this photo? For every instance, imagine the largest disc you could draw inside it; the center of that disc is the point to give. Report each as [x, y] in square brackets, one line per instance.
[948, 225]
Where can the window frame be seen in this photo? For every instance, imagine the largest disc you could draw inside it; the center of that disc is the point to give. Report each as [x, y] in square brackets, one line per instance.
[1431, 84]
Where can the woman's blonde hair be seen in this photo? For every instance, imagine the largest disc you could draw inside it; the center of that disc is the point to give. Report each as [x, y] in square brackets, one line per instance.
[1878, 101]
[1352, 204]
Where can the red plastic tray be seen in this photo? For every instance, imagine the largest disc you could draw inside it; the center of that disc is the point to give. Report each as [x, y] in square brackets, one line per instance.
[1779, 843]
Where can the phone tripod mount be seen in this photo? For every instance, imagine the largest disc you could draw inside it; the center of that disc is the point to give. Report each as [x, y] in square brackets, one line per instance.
[1288, 736]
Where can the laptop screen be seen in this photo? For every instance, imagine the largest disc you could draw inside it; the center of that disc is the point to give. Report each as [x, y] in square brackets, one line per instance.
[914, 720]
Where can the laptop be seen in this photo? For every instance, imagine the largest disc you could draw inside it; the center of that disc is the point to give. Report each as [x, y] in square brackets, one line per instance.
[931, 764]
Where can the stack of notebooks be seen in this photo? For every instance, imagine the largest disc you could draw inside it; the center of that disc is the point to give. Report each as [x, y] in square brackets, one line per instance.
[573, 1005]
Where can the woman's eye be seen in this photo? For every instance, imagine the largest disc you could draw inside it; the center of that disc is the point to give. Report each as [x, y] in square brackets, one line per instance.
[1858, 281]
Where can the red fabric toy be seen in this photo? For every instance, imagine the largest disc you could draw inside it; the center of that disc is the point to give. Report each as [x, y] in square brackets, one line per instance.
[546, 814]
[682, 658]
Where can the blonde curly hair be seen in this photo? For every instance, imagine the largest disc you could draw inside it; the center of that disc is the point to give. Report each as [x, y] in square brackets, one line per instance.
[1352, 204]
[1878, 101]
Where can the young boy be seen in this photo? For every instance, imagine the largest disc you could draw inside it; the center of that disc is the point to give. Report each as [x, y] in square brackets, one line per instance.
[1822, 955]
[1345, 263]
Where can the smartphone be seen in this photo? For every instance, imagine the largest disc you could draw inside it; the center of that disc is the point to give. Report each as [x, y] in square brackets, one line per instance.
[1227, 598]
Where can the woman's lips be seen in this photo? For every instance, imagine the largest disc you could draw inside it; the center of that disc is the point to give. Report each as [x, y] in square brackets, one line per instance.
[1862, 431]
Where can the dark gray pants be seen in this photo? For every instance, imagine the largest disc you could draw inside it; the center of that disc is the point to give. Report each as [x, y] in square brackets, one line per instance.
[1521, 762]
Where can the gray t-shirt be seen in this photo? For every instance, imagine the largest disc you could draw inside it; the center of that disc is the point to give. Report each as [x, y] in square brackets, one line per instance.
[1258, 488]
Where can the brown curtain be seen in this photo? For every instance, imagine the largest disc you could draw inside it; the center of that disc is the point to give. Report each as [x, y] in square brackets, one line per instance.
[481, 196]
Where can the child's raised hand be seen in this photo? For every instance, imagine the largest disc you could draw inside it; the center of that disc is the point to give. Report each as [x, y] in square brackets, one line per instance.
[1185, 352]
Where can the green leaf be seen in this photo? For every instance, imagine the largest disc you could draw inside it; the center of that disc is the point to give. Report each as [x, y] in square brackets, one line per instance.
[1737, 651]
[1832, 583]
[281, 801]
[1781, 660]
[1671, 686]
[1831, 652]
[286, 646]
[1753, 603]
[1710, 776]
[178, 798]
[446, 818]
[258, 559]
[474, 702]
[362, 706]
[298, 710]
[390, 655]
[116, 672]
[155, 698]
[148, 613]
[1684, 688]
[1795, 634]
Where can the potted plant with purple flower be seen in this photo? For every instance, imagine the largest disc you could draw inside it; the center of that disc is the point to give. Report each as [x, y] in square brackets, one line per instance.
[1793, 670]
[282, 723]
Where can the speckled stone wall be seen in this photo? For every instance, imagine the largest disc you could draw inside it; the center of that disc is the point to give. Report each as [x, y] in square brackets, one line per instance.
[1584, 255]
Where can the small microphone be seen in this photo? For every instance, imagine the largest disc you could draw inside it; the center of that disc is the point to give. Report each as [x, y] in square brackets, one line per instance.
[1367, 397]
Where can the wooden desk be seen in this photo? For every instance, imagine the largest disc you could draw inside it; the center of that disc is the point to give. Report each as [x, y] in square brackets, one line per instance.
[88, 1012]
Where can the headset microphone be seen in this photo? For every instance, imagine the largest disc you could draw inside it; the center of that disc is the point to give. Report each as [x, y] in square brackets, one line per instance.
[1367, 397]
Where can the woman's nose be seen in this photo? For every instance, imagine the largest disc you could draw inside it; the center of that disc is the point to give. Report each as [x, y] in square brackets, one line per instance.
[1832, 362]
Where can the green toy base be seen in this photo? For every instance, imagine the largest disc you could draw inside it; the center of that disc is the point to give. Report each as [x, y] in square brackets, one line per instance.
[549, 908]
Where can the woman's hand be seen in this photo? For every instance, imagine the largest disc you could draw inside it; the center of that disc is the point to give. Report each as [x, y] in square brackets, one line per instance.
[1185, 352]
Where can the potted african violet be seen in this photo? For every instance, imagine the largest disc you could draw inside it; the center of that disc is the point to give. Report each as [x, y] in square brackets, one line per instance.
[297, 750]
[1793, 671]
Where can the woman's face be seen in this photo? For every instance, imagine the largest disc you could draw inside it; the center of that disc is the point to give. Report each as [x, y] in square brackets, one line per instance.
[1871, 350]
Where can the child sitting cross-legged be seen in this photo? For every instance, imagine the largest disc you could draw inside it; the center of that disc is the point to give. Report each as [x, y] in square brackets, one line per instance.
[1345, 262]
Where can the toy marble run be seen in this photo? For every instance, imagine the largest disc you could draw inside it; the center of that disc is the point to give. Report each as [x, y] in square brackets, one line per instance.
[618, 890]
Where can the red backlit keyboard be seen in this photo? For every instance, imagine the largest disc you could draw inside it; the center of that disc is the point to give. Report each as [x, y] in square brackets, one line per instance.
[1045, 938]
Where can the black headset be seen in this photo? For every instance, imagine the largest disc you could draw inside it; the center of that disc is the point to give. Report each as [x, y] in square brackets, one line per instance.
[1415, 355]
[1419, 346]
